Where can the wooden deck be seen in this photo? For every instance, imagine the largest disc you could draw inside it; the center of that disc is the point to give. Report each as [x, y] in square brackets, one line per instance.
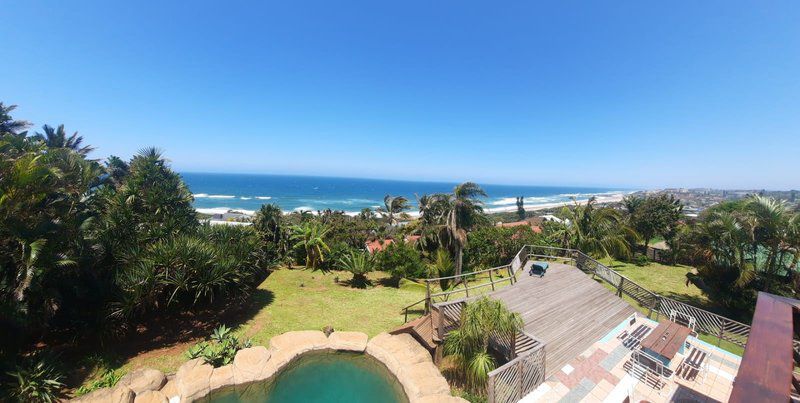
[566, 309]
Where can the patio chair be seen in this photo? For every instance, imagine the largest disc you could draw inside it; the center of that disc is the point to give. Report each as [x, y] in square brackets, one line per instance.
[635, 338]
[651, 371]
[695, 363]
[685, 319]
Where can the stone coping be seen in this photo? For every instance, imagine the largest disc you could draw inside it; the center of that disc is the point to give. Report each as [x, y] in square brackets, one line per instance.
[406, 359]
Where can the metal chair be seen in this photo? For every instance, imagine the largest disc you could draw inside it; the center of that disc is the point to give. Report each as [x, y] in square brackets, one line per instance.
[695, 363]
[652, 371]
[685, 319]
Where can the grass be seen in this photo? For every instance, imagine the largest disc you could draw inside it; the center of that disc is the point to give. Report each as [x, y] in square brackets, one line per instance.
[293, 299]
[666, 280]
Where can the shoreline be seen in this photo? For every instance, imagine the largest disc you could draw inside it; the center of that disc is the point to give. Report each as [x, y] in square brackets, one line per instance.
[601, 199]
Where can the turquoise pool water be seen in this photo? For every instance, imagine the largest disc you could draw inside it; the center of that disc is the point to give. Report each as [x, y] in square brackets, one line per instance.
[321, 377]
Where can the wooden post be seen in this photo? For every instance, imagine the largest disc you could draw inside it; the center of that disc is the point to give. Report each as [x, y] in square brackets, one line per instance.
[440, 329]
[719, 337]
[520, 376]
[513, 346]
[428, 301]
[490, 390]
[619, 286]
[491, 280]
[650, 311]
[466, 287]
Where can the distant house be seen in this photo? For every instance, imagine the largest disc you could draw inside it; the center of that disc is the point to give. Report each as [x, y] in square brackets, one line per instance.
[412, 239]
[550, 217]
[378, 245]
[537, 229]
[230, 215]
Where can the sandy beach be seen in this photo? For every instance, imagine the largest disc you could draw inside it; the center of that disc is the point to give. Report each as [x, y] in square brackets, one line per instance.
[601, 199]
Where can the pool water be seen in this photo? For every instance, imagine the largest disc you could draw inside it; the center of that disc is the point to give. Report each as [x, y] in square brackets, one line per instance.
[321, 377]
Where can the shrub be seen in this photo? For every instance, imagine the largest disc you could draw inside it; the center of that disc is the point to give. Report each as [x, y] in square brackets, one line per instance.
[185, 270]
[35, 379]
[401, 260]
[468, 346]
[220, 349]
[496, 246]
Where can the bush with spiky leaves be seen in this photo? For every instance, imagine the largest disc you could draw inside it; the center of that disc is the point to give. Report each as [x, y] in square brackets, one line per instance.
[220, 349]
[468, 346]
[35, 379]
[359, 263]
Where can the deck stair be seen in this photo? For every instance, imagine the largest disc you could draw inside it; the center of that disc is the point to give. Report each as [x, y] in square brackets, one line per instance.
[424, 329]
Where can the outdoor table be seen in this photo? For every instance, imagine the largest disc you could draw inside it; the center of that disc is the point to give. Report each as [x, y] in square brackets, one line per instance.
[666, 340]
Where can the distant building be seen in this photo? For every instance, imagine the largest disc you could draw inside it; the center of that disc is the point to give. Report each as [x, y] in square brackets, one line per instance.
[550, 217]
[537, 229]
[378, 245]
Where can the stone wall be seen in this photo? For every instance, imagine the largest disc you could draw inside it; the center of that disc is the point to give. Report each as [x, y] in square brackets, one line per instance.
[410, 363]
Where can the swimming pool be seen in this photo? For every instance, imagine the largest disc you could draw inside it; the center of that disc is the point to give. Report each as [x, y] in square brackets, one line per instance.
[320, 377]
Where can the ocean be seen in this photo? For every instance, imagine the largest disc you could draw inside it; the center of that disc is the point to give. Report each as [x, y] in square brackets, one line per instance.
[215, 193]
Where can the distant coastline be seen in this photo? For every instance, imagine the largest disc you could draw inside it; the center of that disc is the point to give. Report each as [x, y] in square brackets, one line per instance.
[220, 193]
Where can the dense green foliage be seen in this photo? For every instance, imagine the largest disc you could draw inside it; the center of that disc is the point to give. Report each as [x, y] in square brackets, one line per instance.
[598, 231]
[401, 260]
[654, 215]
[497, 246]
[468, 346]
[89, 249]
[741, 248]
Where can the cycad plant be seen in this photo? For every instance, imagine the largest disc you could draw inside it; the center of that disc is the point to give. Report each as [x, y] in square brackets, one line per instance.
[468, 346]
[359, 263]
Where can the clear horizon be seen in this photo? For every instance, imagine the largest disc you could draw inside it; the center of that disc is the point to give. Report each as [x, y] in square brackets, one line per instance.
[633, 95]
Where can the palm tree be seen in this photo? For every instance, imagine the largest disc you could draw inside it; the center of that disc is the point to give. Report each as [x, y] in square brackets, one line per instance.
[393, 205]
[468, 346]
[461, 211]
[310, 236]
[57, 138]
[598, 231]
[117, 169]
[10, 126]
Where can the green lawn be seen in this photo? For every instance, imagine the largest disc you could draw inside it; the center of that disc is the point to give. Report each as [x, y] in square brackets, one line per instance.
[295, 299]
[666, 280]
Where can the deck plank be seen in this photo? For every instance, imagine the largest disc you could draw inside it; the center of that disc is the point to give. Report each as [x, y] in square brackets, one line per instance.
[566, 309]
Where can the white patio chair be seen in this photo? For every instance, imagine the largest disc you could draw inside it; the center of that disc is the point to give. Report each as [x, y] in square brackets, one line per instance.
[697, 360]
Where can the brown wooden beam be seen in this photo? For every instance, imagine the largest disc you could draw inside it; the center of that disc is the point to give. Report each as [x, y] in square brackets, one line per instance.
[765, 374]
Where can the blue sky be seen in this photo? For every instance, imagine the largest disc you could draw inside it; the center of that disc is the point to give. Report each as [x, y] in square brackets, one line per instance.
[617, 93]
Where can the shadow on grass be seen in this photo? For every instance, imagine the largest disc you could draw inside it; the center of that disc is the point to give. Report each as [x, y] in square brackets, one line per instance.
[159, 334]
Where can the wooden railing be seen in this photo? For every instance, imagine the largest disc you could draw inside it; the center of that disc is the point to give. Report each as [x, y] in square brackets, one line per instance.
[518, 377]
[706, 322]
[468, 285]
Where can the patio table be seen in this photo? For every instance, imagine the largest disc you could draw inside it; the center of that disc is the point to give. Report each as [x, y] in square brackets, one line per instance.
[666, 340]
